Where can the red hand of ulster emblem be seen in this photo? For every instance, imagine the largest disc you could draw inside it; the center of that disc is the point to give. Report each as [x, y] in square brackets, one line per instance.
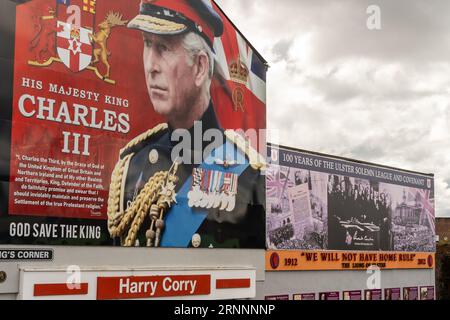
[74, 46]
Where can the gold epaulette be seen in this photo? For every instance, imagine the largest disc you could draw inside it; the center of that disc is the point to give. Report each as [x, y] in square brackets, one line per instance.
[144, 136]
[256, 160]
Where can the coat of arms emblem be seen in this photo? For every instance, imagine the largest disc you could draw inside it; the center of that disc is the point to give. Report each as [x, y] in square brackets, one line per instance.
[74, 27]
[78, 46]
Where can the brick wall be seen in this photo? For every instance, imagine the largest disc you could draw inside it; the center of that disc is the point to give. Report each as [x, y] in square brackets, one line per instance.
[443, 230]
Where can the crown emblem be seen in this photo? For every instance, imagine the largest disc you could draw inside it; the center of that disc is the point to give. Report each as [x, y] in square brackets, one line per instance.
[238, 72]
[75, 33]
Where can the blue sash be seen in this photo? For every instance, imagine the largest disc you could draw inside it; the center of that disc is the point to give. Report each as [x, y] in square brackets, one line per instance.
[182, 221]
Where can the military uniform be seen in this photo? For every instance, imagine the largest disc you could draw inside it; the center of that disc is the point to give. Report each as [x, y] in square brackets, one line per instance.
[241, 227]
[155, 200]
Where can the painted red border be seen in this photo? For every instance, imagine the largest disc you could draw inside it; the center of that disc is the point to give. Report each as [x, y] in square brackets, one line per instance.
[59, 289]
[232, 283]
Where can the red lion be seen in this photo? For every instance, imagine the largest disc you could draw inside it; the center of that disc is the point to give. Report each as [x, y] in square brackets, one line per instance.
[43, 42]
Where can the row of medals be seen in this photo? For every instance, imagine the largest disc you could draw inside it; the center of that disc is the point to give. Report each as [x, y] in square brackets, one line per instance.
[213, 189]
[210, 188]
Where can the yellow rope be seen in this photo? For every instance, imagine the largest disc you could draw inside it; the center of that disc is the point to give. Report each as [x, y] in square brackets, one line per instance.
[151, 194]
[140, 207]
[148, 192]
[114, 212]
[160, 25]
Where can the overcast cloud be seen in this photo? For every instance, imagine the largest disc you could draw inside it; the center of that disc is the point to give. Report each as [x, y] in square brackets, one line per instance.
[336, 87]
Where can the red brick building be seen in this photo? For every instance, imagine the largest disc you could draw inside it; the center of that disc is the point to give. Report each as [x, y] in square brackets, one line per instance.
[443, 230]
[443, 258]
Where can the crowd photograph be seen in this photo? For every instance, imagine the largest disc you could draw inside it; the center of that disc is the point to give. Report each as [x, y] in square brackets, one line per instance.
[359, 216]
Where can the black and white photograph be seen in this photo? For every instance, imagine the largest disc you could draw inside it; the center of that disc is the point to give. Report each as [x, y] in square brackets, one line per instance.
[358, 215]
[302, 223]
[412, 222]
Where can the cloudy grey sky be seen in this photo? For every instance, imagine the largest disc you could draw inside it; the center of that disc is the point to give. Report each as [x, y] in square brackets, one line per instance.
[336, 87]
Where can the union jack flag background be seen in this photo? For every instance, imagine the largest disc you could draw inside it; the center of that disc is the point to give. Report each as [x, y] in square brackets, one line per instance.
[242, 101]
[427, 216]
[277, 181]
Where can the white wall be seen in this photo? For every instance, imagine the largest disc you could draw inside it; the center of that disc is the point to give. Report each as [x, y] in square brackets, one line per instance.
[134, 257]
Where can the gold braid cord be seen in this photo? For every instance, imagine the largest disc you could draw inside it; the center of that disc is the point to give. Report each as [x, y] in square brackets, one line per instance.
[156, 24]
[256, 160]
[154, 199]
[114, 210]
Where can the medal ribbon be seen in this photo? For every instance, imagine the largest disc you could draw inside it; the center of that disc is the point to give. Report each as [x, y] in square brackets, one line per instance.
[226, 183]
[182, 221]
[197, 174]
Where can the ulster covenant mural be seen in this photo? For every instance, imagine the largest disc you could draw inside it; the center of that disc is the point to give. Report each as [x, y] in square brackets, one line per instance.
[317, 202]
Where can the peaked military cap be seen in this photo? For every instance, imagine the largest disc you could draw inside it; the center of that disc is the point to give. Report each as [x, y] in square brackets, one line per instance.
[172, 17]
